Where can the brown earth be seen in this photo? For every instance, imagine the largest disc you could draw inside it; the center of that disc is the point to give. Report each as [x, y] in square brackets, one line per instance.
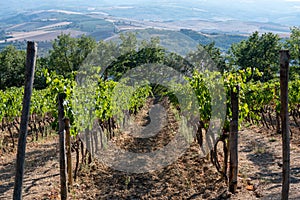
[190, 177]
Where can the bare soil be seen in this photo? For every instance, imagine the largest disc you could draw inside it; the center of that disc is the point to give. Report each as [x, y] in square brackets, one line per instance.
[190, 177]
[41, 178]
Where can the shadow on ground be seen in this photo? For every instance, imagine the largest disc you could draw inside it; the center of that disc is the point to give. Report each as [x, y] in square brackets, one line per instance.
[34, 160]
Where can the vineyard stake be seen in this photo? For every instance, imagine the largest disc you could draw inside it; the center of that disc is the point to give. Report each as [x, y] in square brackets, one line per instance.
[284, 112]
[233, 139]
[62, 148]
[30, 68]
[69, 156]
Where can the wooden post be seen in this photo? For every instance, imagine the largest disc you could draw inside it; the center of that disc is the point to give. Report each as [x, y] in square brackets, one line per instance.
[233, 140]
[62, 148]
[284, 112]
[69, 156]
[30, 68]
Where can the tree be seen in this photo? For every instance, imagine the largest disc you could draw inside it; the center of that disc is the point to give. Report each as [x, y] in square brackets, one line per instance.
[216, 55]
[128, 43]
[258, 52]
[12, 67]
[134, 59]
[69, 53]
[293, 45]
[39, 77]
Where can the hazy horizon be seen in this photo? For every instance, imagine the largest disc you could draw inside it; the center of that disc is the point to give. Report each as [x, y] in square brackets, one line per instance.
[286, 12]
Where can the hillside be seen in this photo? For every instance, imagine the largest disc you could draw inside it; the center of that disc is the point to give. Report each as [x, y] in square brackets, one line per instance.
[45, 25]
[190, 177]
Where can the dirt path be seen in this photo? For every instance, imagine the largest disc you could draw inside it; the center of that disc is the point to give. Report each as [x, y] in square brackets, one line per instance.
[190, 177]
[41, 178]
[260, 162]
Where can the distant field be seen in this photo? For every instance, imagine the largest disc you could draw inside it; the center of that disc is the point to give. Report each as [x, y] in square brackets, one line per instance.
[28, 26]
[55, 25]
[41, 35]
[46, 25]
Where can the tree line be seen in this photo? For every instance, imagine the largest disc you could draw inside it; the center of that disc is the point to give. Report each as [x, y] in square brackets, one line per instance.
[259, 53]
